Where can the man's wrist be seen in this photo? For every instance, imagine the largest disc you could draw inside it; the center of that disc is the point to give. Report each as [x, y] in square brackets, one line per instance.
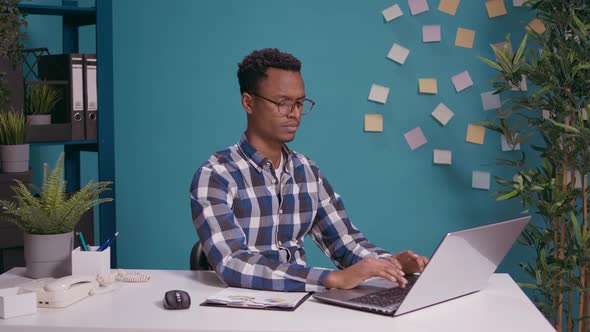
[333, 279]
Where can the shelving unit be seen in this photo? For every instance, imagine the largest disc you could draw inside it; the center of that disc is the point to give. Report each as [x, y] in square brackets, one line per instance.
[74, 17]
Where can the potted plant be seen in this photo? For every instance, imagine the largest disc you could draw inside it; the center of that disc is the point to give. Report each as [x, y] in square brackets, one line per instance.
[40, 102]
[14, 151]
[12, 35]
[47, 216]
[553, 184]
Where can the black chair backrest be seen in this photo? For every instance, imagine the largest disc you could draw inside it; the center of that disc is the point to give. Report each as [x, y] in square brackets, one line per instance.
[198, 260]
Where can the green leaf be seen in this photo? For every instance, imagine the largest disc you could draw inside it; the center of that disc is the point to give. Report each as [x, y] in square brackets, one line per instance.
[509, 195]
[490, 62]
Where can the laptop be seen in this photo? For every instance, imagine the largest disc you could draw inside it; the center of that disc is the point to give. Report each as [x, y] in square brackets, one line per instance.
[462, 264]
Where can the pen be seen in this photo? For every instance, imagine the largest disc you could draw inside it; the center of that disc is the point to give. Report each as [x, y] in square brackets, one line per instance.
[82, 242]
[107, 243]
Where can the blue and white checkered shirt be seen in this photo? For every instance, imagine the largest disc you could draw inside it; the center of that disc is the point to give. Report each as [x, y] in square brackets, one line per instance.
[252, 225]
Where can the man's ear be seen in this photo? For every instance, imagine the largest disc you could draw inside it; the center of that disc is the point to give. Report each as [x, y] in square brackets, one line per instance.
[247, 102]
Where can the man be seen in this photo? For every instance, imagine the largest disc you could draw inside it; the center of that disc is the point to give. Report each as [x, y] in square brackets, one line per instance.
[254, 203]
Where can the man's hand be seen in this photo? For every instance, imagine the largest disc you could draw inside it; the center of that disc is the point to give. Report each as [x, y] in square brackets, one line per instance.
[370, 267]
[409, 261]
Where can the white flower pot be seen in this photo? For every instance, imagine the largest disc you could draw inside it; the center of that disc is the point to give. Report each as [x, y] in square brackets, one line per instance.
[39, 119]
[14, 158]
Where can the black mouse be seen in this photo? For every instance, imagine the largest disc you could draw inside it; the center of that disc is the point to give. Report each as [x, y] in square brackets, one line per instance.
[176, 299]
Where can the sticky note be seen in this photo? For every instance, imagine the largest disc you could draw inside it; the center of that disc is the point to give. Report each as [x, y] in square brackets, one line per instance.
[475, 134]
[398, 53]
[430, 33]
[537, 26]
[427, 85]
[518, 3]
[578, 177]
[480, 180]
[462, 81]
[496, 8]
[522, 86]
[374, 123]
[442, 157]
[392, 13]
[442, 114]
[508, 147]
[418, 6]
[415, 138]
[546, 114]
[378, 93]
[465, 38]
[500, 46]
[448, 6]
[490, 101]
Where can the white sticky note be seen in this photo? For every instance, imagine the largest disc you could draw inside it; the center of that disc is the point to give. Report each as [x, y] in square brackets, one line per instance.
[480, 180]
[508, 147]
[522, 86]
[442, 114]
[518, 3]
[442, 157]
[490, 101]
[546, 114]
[378, 93]
[392, 13]
[398, 54]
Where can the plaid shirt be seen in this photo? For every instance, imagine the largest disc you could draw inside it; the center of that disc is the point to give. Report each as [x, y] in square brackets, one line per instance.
[252, 225]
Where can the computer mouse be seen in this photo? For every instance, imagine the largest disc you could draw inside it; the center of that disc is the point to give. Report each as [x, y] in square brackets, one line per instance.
[176, 299]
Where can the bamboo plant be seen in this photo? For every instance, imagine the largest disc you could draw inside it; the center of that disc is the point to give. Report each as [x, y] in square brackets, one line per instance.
[13, 128]
[42, 98]
[553, 184]
[49, 209]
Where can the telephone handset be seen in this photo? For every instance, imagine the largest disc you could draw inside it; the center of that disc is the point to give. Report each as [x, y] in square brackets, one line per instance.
[59, 293]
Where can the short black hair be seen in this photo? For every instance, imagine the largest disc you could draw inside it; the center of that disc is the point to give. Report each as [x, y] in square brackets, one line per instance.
[253, 67]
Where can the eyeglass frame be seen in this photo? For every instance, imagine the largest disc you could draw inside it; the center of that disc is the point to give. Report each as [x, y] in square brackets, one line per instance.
[277, 104]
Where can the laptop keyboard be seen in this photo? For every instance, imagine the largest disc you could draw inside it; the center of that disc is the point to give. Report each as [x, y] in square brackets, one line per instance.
[386, 297]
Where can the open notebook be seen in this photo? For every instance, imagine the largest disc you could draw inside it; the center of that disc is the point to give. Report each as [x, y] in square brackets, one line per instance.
[256, 299]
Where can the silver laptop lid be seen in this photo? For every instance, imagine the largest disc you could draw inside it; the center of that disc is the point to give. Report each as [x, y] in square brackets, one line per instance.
[463, 263]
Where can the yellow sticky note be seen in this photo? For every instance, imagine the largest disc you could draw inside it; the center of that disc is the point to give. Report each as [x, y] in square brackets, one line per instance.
[537, 26]
[465, 38]
[448, 6]
[496, 8]
[374, 123]
[475, 134]
[428, 85]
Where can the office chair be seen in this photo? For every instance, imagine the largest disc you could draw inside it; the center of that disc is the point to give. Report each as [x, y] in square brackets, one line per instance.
[198, 260]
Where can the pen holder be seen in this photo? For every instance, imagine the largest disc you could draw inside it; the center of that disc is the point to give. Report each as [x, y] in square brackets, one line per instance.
[91, 262]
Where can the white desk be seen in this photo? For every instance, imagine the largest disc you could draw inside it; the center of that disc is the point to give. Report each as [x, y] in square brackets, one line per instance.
[502, 306]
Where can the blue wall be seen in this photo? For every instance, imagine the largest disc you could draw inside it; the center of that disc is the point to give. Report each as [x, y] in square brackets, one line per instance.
[177, 102]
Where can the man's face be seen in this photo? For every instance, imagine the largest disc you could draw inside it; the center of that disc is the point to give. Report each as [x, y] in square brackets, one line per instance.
[265, 119]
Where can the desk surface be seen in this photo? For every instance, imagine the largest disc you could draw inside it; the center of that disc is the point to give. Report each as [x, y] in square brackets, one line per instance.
[502, 306]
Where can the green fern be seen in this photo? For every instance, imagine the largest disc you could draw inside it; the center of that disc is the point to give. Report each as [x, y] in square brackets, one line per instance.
[50, 210]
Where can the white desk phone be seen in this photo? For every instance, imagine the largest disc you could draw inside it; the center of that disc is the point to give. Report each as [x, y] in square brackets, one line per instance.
[59, 293]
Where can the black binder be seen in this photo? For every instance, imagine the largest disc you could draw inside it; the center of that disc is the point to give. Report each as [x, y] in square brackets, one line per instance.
[67, 67]
[90, 96]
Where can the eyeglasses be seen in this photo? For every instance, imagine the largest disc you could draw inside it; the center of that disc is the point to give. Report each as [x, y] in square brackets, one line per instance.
[286, 106]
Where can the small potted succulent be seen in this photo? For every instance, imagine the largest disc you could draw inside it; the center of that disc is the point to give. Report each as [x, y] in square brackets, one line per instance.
[40, 102]
[14, 151]
[47, 216]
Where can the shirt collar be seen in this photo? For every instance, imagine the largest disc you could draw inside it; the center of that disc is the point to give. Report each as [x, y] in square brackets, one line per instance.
[256, 159]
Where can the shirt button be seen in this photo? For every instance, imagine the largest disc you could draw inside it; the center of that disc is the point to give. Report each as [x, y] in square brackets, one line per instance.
[259, 169]
[273, 181]
[281, 211]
